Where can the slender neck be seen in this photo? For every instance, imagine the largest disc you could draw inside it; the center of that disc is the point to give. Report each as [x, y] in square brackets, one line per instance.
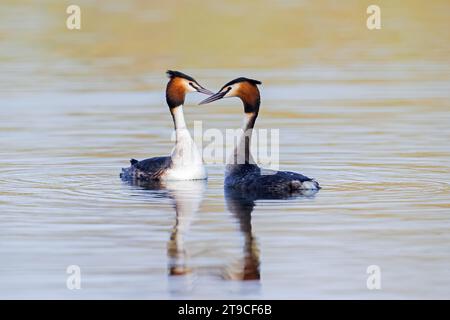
[185, 151]
[249, 120]
[178, 117]
[179, 122]
[175, 94]
[241, 154]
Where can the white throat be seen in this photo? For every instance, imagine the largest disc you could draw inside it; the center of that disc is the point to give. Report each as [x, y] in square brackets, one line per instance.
[178, 117]
[187, 162]
[182, 135]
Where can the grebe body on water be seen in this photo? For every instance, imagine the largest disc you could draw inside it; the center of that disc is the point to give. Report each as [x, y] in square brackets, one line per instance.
[241, 171]
[185, 161]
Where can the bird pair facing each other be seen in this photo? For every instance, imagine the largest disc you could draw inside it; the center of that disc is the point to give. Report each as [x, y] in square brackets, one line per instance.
[185, 161]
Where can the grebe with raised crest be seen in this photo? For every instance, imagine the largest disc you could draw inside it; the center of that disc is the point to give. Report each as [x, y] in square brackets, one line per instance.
[241, 171]
[185, 161]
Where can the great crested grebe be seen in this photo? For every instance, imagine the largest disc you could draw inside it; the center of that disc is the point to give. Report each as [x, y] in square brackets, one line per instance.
[185, 161]
[241, 172]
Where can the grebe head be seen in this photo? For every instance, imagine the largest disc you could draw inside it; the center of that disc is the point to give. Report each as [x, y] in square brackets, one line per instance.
[244, 88]
[179, 85]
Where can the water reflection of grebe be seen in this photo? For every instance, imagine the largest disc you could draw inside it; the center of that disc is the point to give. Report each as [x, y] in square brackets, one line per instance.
[241, 205]
[186, 197]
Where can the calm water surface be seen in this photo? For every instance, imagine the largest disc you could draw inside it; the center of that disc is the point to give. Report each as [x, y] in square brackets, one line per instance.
[374, 131]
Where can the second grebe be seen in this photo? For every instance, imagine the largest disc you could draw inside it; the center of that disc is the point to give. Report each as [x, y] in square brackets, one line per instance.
[185, 161]
[241, 172]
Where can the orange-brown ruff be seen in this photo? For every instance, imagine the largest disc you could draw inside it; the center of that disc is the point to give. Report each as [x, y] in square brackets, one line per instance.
[175, 92]
[249, 94]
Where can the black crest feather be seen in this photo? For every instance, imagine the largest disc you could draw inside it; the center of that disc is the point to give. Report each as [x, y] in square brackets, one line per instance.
[242, 79]
[173, 74]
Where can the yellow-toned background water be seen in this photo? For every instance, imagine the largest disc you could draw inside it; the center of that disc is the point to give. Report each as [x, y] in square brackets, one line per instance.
[364, 112]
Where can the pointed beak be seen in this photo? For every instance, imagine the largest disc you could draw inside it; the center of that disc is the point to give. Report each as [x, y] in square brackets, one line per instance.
[214, 97]
[204, 91]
